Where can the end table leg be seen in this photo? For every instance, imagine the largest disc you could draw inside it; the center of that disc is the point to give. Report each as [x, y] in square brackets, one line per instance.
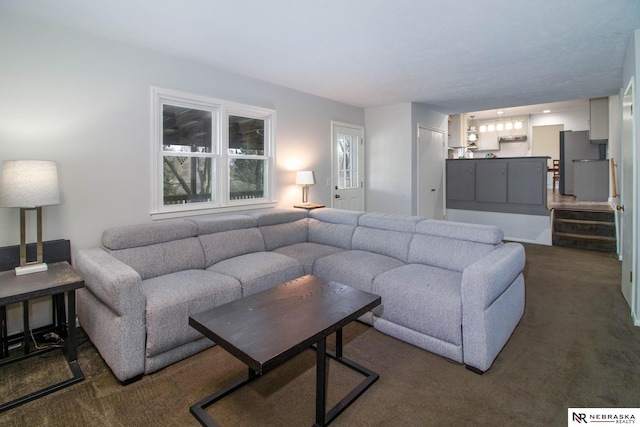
[25, 326]
[339, 343]
[71, 326]
[4, 351]
[321, 382]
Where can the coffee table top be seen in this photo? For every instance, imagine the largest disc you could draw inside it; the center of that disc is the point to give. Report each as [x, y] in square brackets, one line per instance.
[267, 328]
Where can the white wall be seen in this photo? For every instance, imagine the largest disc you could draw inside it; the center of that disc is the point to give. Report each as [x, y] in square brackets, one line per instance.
[391, 155]
[85, 102]
[574, 119]
[388, 154]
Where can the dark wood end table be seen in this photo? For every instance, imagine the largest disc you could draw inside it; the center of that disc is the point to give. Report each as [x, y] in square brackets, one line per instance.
[59, 279]
[309, 206]
[269, 336]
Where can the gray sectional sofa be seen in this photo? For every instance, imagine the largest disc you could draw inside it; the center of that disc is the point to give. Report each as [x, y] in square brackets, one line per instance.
[453, 289]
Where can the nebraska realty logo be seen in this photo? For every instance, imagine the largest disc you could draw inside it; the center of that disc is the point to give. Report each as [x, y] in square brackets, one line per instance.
[581, 416]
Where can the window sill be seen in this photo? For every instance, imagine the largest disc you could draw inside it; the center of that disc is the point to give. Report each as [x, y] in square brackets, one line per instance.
[209, 211]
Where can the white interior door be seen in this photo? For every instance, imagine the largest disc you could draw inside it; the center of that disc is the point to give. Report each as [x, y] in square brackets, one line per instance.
[430, 173]
[627, 201]
[347, 149]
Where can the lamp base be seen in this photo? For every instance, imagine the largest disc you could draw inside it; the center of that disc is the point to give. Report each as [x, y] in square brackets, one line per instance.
[31, 268]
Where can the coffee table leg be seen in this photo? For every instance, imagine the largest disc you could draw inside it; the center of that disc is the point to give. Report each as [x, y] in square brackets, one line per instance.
[198, 409]
[339, 343]
[321, 382]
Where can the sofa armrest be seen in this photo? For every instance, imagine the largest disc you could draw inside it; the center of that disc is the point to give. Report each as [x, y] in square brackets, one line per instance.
[110, 280]
[492, 297]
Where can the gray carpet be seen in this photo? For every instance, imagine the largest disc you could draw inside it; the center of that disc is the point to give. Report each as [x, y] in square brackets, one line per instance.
[575, 347]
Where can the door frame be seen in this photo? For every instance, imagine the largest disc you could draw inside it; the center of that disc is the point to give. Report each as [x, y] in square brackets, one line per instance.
[361, 165]
[629, 260]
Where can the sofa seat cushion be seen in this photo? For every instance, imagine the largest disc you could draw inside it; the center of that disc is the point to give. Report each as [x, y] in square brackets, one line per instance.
[307, 253]
[423, 298]
[172, 298]
[260, 270]
[354, 267]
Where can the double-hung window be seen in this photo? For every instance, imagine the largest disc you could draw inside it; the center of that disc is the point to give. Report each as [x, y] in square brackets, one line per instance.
[210, 154]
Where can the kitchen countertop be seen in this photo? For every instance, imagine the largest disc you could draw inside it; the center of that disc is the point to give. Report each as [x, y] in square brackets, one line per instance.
[505, 158]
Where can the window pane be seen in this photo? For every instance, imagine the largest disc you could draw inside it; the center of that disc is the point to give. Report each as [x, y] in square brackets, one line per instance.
[186, 130]
[246, 135]
[347, 161]
[187, 180]
[246, 179]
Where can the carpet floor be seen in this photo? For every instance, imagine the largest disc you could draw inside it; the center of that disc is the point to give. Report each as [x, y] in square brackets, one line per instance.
[576, 346]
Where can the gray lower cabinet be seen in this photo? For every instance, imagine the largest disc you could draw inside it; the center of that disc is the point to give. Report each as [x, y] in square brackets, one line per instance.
[511, 185]
[491, 181]
[527, 183]
[462, 184]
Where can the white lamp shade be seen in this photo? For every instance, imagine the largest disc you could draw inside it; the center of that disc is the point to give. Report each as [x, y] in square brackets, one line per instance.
[29, 183]
[305, 178]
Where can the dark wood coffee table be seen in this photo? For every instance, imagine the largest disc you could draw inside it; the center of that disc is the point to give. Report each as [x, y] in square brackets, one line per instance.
[268, 328]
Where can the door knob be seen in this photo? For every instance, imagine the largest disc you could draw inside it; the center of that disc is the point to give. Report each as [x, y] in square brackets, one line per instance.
[337, 196]
[620, 208]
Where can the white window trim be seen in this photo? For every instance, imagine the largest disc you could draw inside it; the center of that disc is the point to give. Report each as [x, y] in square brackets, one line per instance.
[222, 110]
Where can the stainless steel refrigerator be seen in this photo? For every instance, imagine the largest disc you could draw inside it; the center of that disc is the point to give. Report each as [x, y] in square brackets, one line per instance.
[574, 146]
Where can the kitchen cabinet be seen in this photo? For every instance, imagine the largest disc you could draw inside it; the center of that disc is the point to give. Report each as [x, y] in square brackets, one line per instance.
[457, 131]
[591, 180]
[599, 119]
[462, 183]
[491, 181]
[525, 183]
[488, 141]
[512, 185]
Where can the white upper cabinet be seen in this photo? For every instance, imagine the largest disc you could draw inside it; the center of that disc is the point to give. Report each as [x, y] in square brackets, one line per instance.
[457, 131]
[488, 140]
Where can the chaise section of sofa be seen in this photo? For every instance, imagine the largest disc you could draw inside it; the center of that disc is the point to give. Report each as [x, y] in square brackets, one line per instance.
[453, 289]
[425, 301]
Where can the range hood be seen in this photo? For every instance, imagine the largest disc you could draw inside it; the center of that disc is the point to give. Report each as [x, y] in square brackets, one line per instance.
[513, 138]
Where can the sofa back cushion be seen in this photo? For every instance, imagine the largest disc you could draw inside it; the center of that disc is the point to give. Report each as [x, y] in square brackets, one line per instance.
[393, 222]
[132, 236]
[163, 258]
[336, 216]
[384, 242]
[227, 244]
[326, 233]
[446, 252]
[462, 231]
[288, 233]
[278, 216]
[218, 223]
[452, 245]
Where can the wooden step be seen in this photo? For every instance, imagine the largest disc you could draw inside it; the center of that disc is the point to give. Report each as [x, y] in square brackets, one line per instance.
[606, 216]
[584, 241]
[587, 227]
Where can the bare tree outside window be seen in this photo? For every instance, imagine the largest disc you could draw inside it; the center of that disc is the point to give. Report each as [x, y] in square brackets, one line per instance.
[187, 164]
[246, 158]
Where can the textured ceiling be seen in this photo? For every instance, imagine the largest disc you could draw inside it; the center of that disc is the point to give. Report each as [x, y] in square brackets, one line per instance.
[453, 55]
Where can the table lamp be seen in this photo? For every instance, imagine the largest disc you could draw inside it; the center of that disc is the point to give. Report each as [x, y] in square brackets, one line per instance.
[29, 185]
[305, 178]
